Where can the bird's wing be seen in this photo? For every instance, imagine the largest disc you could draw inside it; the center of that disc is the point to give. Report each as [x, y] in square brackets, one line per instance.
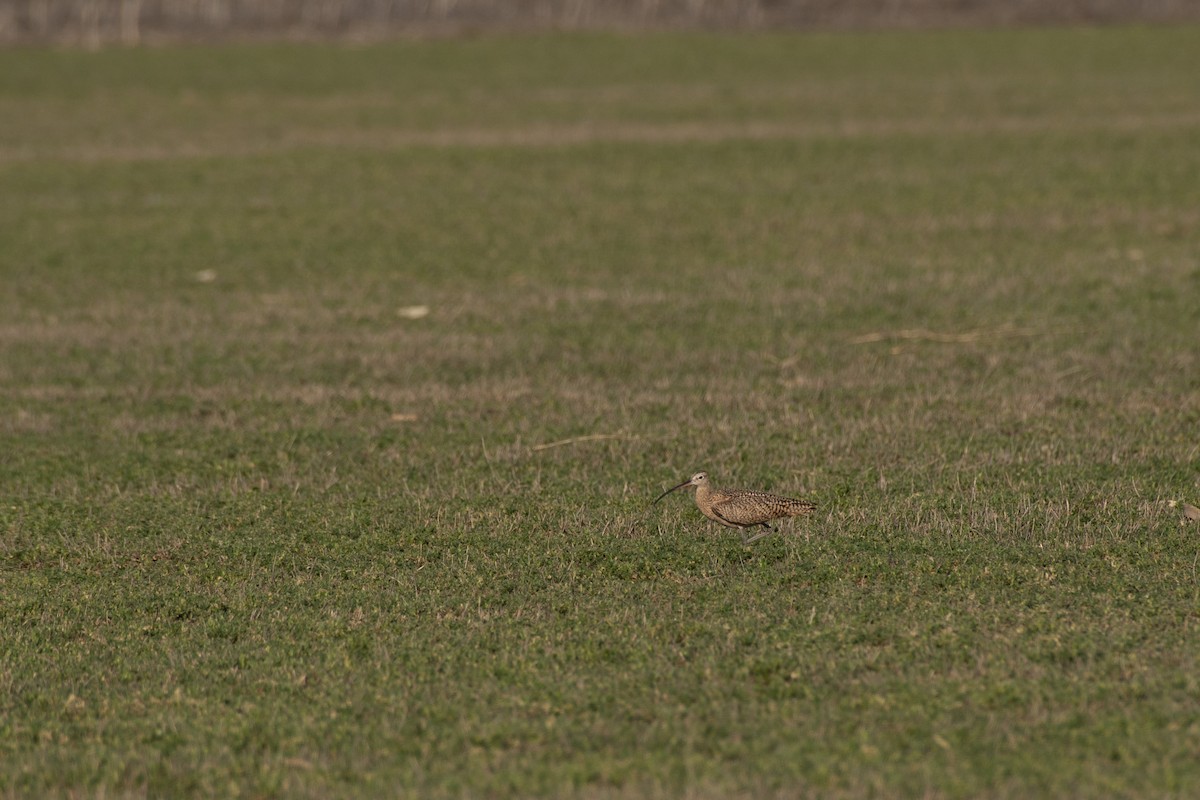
[755, 508]
[729, 522]
[716, 510]
[733, 510]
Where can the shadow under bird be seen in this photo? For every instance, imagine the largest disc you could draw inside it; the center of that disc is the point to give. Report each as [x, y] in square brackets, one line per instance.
[737, 508]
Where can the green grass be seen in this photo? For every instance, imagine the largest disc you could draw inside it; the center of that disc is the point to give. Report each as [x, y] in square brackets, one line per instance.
[264, 535]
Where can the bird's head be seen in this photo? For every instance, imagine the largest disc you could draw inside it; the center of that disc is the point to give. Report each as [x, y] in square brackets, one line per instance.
[699, 479]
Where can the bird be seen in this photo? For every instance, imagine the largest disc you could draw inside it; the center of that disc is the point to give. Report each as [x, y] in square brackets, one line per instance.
[736, 508]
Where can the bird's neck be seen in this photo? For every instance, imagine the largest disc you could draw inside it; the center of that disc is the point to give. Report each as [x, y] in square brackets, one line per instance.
[703, 492]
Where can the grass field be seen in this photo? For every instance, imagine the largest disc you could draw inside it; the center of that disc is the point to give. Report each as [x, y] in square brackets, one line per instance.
[265, 530]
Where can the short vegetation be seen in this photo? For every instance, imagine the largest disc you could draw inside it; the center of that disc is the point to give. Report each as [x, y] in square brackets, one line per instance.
[335, 384]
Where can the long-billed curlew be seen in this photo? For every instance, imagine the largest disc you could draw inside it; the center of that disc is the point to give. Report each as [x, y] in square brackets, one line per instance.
[741, 509]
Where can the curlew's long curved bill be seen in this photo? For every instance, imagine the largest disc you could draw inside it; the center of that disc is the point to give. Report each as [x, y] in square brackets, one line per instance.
[673, 488]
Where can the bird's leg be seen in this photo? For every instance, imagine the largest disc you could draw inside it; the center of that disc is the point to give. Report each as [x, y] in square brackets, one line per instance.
[751, 539]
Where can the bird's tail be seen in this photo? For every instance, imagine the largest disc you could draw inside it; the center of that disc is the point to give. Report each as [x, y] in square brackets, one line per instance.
[801, 508]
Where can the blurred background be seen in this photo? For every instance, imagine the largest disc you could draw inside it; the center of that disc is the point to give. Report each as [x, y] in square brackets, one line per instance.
[96, 22]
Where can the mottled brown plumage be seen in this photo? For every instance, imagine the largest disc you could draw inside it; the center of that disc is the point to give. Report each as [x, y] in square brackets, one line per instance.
[735, 508]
